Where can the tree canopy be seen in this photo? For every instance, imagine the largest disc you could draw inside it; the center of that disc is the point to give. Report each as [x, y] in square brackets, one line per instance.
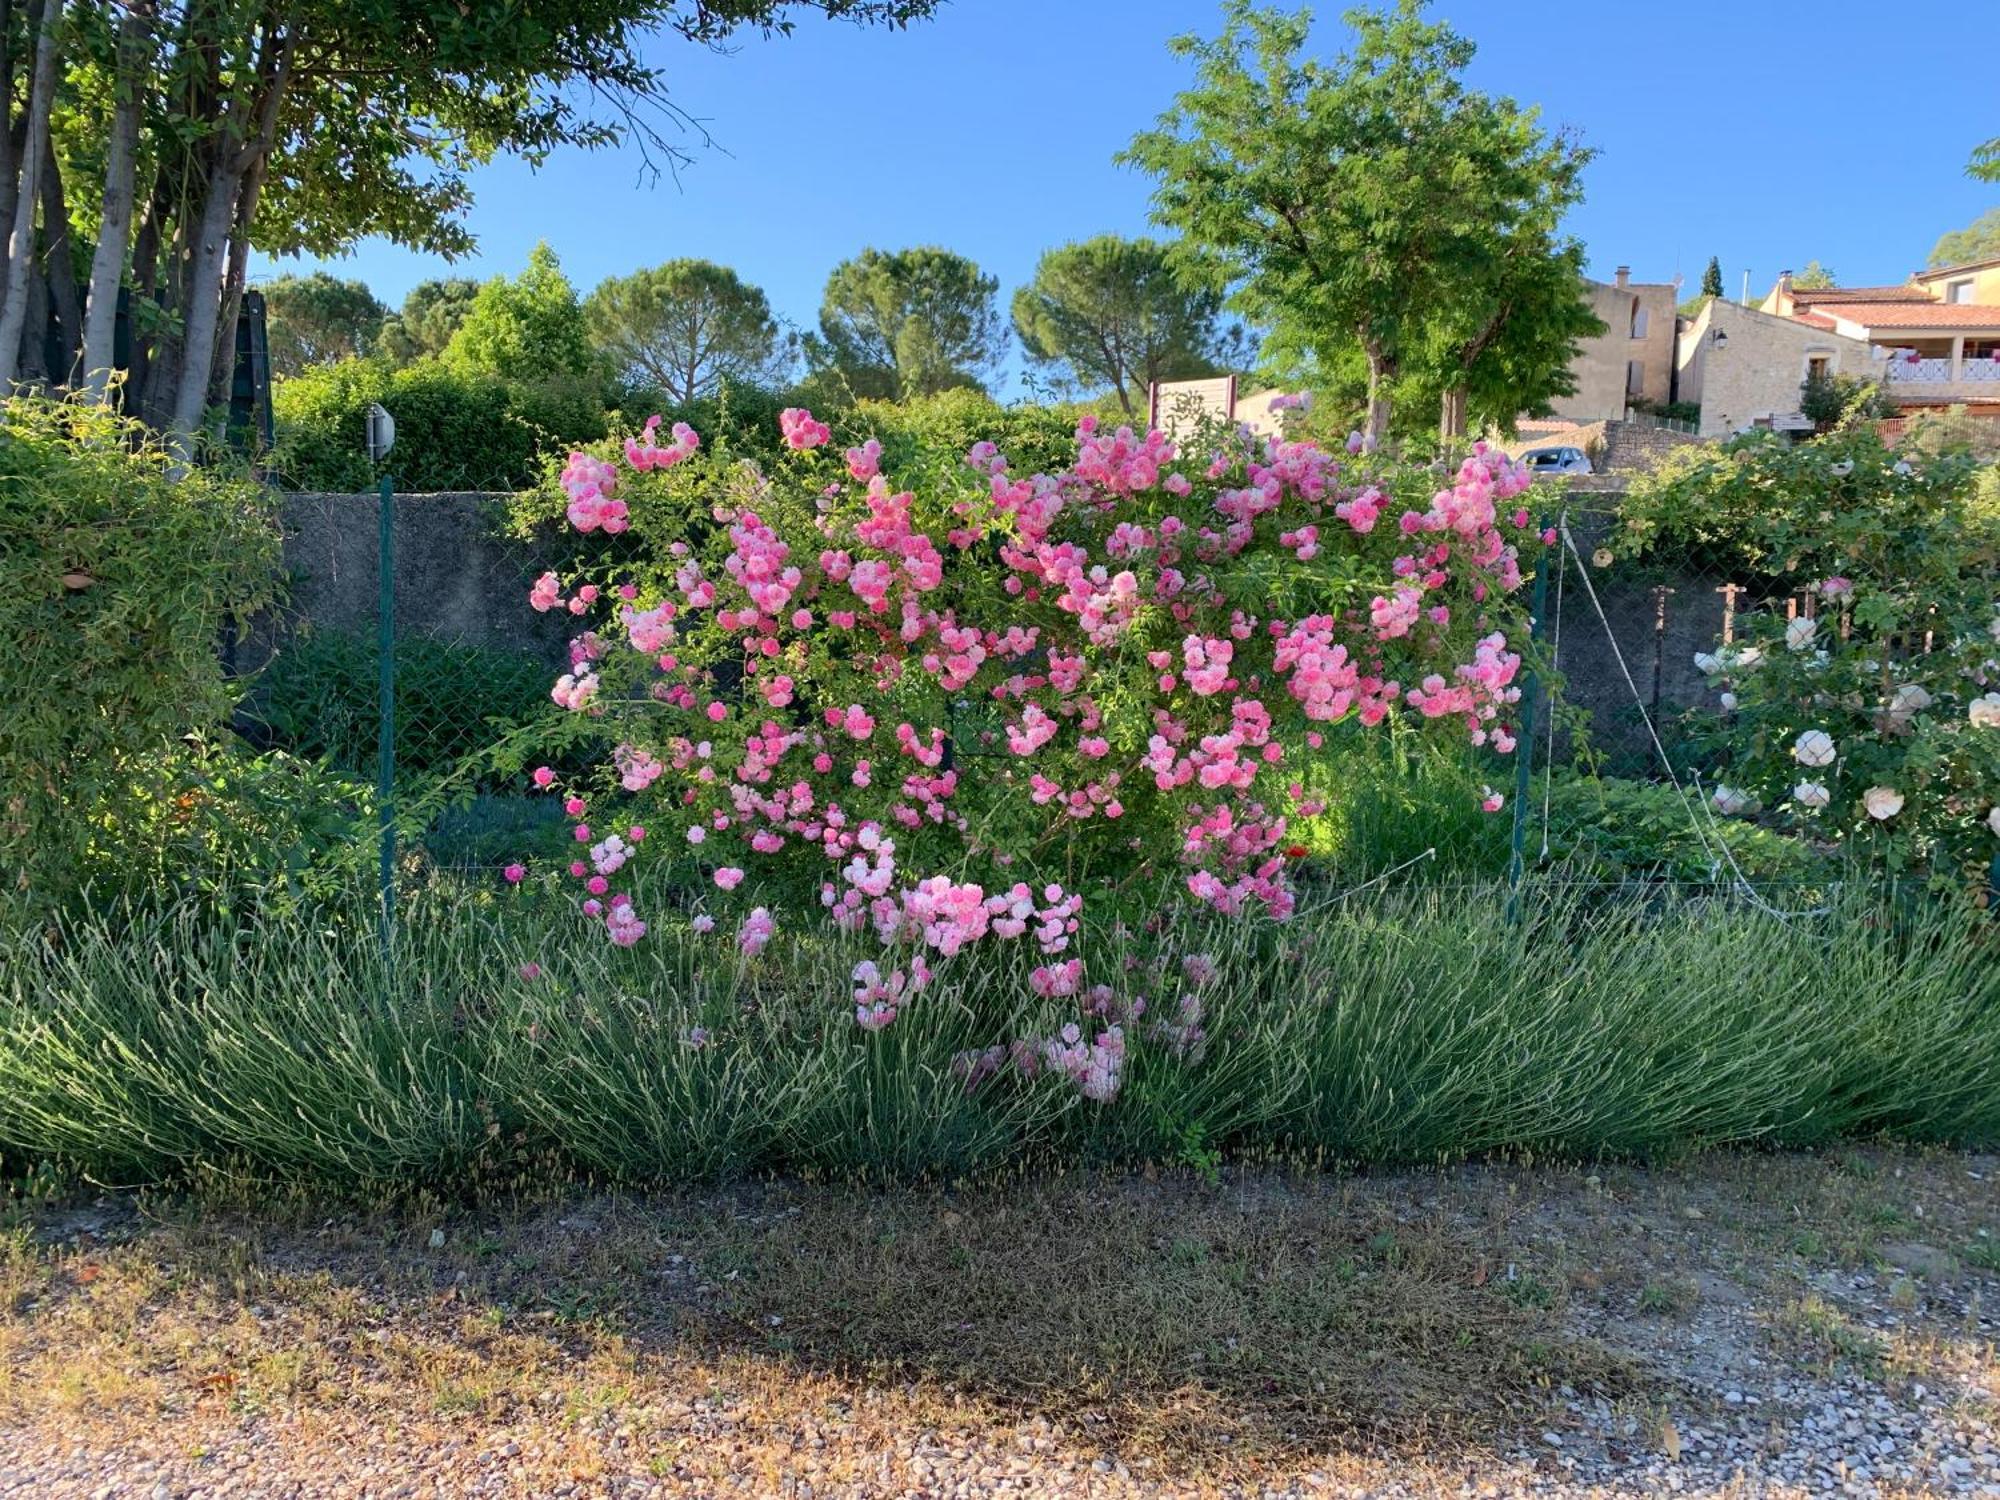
[527, 328]
[180, 134]
[429, 316]
[687, 327]
[1814, 278]
[1979, 240]
[317, 318]
[1985, 163]
[1711, 278]
[1120, 314]
[901, 323]
[1357, 203]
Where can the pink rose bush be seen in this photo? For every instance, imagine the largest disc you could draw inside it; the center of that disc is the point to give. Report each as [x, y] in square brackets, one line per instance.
[941, 717]
[1849, 710]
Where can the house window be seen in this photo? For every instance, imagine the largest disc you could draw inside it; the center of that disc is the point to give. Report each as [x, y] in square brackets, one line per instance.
[1635, 377]
[1638, 320]
[1819, 367]
[1958, 291]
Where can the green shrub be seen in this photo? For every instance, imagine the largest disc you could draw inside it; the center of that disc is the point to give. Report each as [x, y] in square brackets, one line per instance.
[122, 576]
[218, 822]
[455, 429]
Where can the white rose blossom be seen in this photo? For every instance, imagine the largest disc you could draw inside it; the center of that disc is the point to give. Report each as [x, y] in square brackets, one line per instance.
[1814, 748]
[1882, 802]
[1993, 819]
[1811, 794]
[1910, 698]
[1729, 801]
[1984, 711]
[1799, 633]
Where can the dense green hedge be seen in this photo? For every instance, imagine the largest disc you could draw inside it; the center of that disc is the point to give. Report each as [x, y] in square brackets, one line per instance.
[454, 430]
[122, 576]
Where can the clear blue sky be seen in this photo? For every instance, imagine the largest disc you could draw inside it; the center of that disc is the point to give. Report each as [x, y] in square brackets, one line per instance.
[1766, 134]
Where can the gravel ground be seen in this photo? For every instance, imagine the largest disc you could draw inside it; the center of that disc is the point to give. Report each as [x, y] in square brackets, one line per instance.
[1745, 1327]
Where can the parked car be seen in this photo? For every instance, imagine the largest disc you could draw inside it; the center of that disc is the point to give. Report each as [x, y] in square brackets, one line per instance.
[1561, 460]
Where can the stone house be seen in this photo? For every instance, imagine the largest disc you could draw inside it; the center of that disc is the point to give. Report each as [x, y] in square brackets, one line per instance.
[1745, 365]
[1938, 334]
[1632, 359]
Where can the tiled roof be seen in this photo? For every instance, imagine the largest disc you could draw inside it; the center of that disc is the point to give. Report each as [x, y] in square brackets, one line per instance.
[1810, 295]
[1938, 273]
[1817, 320]
[1921, 315]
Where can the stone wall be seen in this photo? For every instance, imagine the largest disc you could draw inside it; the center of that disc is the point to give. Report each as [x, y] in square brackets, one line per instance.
[459, 577]
[1615, 447]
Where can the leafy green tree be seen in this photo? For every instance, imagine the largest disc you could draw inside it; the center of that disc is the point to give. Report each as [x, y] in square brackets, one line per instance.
[1121, 313]
[902, 323]
[530, 328]
[1814, 278]
[318, 318]
[429, 316]
[1985, 163]
[1504, 347]
[1830, 400]
[1352, 201]
[1711, 279]
[1979, 240]
[209, 128]
[687, 327]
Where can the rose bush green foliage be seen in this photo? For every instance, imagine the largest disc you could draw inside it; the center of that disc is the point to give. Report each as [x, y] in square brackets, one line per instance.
[1871, 721]
[946, 715]
[121, 579]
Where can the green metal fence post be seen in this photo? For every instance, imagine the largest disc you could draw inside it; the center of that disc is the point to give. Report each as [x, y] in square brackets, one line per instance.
[1524, 748]
[385, 784]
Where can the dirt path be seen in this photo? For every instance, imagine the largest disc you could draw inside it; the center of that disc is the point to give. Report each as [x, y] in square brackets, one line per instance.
[1738, 1326]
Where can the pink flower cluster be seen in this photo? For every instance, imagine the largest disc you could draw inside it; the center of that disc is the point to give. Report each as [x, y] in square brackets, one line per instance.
[590, 483]
[981, 675]
[801, 429]
[643, 454]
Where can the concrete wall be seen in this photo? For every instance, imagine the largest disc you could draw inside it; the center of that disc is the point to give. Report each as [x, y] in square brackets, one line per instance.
[458, 577]
[1755, 372]
[1600, 363]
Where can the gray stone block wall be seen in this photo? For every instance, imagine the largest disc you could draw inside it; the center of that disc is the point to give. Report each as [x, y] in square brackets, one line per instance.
[459, 576]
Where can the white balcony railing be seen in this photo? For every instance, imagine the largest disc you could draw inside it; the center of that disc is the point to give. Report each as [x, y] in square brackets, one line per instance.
[1939, 372]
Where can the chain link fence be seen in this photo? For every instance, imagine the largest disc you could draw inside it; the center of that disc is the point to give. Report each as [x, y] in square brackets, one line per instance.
[470, 669]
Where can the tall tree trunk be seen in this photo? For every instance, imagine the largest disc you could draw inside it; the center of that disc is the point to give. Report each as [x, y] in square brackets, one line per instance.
[107, 265]
[222, 378]
[59, 261]
[1451, 415]
[10, 157]
[211, 243]
[34, 370]
[21, 241]
[141, 388]
[1381, 370]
